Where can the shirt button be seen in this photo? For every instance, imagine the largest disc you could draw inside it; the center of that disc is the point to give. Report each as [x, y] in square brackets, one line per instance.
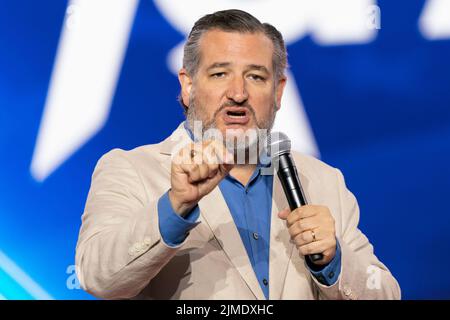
[255, 236]
[246, 190]
[265, 282]
[331, 275]
[347, 291]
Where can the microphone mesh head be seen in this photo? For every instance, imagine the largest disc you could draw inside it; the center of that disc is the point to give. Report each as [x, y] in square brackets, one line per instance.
[278, 143]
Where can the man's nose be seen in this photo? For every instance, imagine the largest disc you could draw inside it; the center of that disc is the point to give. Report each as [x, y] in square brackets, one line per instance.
[237, 90]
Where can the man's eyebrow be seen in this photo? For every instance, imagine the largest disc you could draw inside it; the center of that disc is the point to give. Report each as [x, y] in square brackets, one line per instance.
[218, 65]
[249, 67]
[258, 67]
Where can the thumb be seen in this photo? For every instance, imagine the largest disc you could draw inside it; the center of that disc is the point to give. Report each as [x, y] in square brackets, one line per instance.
[283, 214]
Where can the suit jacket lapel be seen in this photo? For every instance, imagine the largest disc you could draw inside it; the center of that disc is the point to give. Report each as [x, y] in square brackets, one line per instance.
[281, 246]
[216, 214]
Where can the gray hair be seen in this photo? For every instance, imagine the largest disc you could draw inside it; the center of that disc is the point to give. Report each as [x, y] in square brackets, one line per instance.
[232, 21]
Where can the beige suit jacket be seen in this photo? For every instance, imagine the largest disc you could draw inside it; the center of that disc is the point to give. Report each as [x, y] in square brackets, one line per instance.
[121, 255]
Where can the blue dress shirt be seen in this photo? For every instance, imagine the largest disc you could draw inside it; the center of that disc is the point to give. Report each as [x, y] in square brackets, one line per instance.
[251, 207]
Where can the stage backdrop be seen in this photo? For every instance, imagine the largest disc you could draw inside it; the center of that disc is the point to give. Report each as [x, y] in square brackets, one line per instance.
[369, 93]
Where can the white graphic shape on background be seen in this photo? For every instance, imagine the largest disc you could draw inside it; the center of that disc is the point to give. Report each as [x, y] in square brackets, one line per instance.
[19, 276]
[434, 22]
[88, 61]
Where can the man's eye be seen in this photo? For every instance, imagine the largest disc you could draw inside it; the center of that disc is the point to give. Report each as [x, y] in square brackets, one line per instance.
[218, 75]
[257, 77]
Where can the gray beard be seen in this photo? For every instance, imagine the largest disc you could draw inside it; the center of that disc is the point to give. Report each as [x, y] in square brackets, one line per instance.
[244, 149]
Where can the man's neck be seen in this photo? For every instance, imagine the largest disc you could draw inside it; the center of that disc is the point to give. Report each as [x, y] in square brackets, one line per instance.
[243, 172]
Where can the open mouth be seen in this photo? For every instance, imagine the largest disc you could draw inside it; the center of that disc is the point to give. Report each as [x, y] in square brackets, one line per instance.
[236, 115]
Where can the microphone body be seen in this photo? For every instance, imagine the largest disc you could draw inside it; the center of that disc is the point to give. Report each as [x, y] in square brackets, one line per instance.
[287, 173]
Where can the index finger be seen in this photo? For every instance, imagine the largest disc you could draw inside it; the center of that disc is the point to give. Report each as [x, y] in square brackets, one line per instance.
[217, 151]
[307, 211]
[293, 217]
[300, 213]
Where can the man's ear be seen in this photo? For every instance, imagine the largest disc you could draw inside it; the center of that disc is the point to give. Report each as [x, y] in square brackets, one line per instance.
[279, 91]
[186, 85]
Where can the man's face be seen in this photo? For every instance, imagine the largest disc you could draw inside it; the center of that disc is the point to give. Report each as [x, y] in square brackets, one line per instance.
[234, 87]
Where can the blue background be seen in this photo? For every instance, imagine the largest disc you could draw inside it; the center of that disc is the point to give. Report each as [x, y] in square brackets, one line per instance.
[380, 112]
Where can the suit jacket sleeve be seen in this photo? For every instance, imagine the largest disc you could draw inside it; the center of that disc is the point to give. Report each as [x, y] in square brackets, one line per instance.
[362, 275]
[120, 248]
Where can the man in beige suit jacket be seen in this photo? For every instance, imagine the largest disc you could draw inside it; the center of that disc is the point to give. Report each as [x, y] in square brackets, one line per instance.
[121, 252]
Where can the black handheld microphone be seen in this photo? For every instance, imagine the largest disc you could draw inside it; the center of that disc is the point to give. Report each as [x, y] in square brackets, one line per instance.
[279, 147]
